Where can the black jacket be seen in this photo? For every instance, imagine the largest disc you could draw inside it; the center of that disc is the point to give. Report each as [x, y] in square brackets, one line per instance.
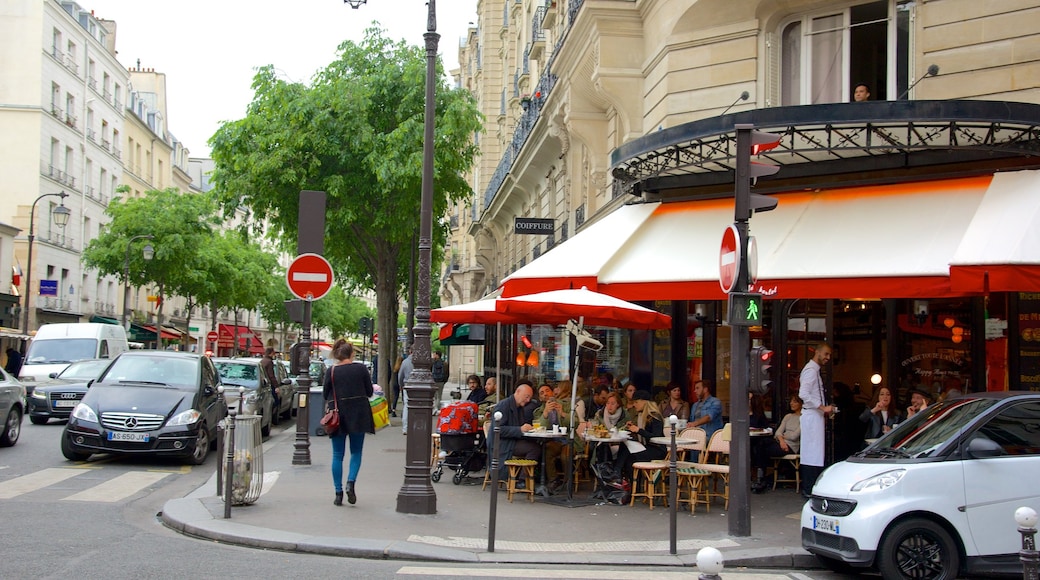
[353, 386]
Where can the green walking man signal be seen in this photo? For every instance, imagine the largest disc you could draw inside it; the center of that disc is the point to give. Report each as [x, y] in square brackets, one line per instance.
[745, 309]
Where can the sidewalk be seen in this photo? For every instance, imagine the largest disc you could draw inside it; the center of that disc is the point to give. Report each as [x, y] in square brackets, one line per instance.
[295, 513]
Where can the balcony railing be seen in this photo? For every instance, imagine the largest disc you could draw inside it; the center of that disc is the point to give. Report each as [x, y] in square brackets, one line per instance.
[55, 303]
[105, 144]
[56, 112]
[104, 308]
[92, 83]
[70, 121]
[91, 135]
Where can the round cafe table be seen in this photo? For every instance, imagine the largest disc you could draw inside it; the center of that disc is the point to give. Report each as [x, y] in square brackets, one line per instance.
[543, 436]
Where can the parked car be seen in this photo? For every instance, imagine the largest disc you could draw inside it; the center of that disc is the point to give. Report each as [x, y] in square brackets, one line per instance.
[12, 397]
[148, 402]
[55, 398]
[258, 396]
[285, 391]
[55, 345]
[317, 375]
[935, 497]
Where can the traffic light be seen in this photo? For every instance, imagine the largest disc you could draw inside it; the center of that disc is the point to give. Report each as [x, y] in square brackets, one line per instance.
[365, 325]
[761, 362]
[299, 359]
[751, 143]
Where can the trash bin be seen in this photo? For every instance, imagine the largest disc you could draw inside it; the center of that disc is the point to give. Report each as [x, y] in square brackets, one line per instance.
[316, 410]
[247, 479]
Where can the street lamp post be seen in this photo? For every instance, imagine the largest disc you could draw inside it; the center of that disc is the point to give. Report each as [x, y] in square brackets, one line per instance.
[147, 253]
[416, 495]
[61, 216]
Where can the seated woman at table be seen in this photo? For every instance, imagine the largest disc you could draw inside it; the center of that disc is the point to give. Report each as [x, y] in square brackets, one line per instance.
[757, 412]
[648, 423]
[612, 416]
[882, 415]
[674, 404]
[786, 439]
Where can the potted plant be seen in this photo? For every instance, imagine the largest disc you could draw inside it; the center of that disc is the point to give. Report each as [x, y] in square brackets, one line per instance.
[525, 101]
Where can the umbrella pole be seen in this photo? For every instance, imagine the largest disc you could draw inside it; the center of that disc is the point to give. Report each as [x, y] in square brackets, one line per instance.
[498, 363]
[574, 400]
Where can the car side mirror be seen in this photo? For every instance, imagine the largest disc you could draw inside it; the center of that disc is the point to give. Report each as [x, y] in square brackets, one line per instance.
[90, 383]
[980, 447]
[53, 375]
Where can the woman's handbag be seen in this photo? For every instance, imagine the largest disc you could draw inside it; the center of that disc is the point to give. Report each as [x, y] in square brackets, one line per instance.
[330, 422]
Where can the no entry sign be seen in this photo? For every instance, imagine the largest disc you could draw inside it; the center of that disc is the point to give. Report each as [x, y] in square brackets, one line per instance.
[729, 259]
[309, 276]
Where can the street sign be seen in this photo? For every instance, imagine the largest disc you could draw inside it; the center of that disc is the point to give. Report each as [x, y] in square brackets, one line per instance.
[211, 336]
[729, 259]
[745, 309]
[309, 276]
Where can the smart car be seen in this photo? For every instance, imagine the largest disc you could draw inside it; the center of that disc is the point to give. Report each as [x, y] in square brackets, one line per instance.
[936, 497]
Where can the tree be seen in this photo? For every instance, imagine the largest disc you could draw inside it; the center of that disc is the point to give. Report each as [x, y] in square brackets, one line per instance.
[356, 132]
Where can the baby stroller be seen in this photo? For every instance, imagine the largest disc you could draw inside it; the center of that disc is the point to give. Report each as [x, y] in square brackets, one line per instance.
[462, 441]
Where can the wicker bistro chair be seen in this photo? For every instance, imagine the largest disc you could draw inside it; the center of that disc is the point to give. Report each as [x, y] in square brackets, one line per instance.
[696, 434]
[715, 460]
[795, 461]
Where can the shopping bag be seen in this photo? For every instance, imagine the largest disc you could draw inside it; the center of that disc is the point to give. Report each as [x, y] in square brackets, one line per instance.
[380, 412]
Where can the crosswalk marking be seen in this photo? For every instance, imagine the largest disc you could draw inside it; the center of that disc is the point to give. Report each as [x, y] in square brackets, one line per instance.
[33, 481]
[119, 488]
[601, 546]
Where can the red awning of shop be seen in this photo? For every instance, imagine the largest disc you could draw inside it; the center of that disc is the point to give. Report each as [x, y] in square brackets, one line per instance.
[1000, 251]
[887, 241]
[166, 334]
[226, 338]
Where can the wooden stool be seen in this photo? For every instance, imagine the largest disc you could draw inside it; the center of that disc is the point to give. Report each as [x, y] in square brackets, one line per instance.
[515, 466]
[691, 483]
[795, 461]
[651, 474]
[501, 480]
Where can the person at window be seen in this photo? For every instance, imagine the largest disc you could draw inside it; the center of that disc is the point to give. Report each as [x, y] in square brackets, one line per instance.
[882, 416]
[351, 386]
[706, 412]
[861, 93]
[674, 404]
[648, 423]
[785, 439]
[919, 401]
[814, 412]
[477, 393]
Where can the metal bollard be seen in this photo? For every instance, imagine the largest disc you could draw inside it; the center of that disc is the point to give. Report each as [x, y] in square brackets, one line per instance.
[230, 464]
[220, 442]
[494, 467]
[1026, 519]
[673, 503]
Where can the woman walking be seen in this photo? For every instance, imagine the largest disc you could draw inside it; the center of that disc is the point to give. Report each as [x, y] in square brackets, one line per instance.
[350, 385]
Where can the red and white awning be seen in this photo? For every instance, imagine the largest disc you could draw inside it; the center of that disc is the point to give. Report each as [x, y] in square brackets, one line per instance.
[884, 241]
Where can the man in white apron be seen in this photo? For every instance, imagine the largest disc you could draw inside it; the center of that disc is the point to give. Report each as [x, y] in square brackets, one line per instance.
[814, 411]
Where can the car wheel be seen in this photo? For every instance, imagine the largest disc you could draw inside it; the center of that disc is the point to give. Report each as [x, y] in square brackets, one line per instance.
[38, 420]
[12, 428]
[920, 549]
[70, 453]
[202, 446]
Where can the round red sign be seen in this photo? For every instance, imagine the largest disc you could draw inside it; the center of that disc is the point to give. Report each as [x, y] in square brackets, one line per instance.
[729, 259]
[375, 338]
[212, 336]
[309, 276]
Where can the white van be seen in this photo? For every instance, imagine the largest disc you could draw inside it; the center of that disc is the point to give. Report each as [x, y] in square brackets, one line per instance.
[56, 345]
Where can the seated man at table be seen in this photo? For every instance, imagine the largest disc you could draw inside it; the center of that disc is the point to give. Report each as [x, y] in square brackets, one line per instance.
[555, 410]
[706, 411]
[648, 423]
[513, 426]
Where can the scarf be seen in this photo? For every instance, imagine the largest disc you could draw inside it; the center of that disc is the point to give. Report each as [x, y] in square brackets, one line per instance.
[611, 420]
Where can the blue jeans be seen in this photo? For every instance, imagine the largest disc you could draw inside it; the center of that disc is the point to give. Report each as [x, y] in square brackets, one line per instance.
[357, 444]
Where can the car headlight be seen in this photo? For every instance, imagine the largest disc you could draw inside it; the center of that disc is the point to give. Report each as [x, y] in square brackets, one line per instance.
[37, 394]
[880, 481]
[189, 417]
[84, 413]
[27, 379]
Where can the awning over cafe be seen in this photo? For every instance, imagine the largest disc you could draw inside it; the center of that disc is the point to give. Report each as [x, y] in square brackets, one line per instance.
[166, 333]
[883, 241]
[247, 339]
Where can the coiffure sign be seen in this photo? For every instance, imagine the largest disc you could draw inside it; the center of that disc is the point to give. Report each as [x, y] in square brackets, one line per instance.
[543, 226]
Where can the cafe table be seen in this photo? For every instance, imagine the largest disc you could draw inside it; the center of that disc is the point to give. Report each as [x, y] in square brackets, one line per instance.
[593, 455]
[544, 435]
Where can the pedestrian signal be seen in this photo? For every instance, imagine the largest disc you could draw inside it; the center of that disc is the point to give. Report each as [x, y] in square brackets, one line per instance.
[761, 363]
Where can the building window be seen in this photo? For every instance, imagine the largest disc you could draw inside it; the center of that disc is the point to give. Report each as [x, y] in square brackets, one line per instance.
[824, 55]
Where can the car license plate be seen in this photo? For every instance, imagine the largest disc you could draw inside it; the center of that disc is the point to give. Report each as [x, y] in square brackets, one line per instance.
[826, 525]
[123, 436]
[59, 404]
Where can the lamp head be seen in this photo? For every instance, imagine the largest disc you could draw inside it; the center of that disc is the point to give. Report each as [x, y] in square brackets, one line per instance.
[61, 215]
[875, 379]
[355, 4]
[148, 252]
[933, 69]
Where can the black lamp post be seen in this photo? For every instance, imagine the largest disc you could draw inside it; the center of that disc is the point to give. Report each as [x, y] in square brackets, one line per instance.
[416, 495]
[61, 216]
[147, 252]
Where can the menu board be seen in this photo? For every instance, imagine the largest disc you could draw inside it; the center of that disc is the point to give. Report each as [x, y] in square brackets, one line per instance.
[1029, 341]
[662, 358]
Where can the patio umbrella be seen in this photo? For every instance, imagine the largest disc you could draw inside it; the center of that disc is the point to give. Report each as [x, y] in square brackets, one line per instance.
[560, 306]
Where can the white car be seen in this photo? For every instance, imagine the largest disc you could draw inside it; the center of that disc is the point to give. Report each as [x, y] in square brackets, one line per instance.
[936, 497]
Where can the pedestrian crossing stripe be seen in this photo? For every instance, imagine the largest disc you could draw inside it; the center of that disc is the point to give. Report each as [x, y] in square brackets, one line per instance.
[33, 481]
[118, 488]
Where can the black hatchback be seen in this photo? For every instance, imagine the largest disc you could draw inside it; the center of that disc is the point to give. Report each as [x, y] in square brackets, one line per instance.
[148, 402]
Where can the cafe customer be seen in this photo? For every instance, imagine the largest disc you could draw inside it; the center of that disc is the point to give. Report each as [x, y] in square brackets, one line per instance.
[648, 423]
[706, 412]
[674, 404]
[513, 425]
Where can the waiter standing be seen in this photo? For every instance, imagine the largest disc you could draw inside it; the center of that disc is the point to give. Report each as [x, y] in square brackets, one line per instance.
[814, 410]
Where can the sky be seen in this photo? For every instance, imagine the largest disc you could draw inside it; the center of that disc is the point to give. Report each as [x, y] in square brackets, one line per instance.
[210, 49]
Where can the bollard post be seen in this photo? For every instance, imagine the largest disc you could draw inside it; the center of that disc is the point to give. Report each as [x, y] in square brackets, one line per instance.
[220, 442]
[1026, 519]
[710, 563]
[494, 467]
[673, 503]
[230, 473]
